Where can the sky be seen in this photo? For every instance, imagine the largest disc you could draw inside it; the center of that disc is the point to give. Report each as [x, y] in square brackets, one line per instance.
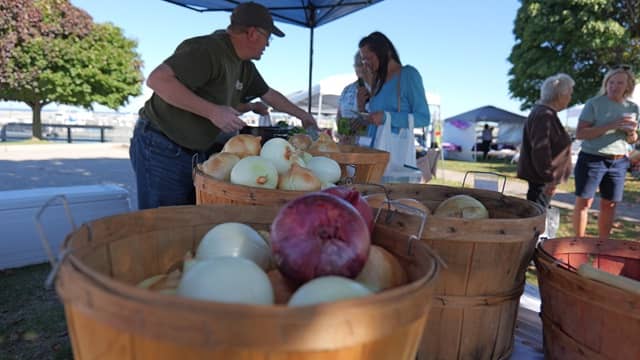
[459, 47]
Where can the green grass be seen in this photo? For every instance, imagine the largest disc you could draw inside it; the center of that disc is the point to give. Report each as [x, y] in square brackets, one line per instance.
[32, 323]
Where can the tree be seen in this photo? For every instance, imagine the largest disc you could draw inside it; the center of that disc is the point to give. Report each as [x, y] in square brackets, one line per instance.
[582, 38]
[51, 51]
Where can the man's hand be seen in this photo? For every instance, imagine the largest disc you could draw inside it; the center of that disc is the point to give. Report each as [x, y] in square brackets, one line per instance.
[226, 118]
[308, 121]
[550, 189]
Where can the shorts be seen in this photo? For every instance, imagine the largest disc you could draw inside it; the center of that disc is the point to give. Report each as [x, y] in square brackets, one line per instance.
[595, 171]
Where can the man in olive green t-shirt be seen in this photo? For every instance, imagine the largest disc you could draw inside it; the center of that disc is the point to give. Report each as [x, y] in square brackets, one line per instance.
[198, 91]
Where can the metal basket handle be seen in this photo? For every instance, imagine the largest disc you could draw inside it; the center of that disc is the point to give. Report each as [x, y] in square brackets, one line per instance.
[46, 244]
[504, 178]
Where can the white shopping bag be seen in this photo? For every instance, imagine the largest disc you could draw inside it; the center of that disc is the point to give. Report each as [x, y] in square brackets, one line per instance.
[399, 145]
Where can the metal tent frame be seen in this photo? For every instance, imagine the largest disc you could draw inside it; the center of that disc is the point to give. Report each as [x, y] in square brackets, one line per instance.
[305, 13]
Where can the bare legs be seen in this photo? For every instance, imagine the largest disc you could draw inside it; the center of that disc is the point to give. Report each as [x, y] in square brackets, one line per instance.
[580, 215]
[605, 218]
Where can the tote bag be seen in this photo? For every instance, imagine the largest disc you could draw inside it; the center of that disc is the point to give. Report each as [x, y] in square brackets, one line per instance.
[400, 145]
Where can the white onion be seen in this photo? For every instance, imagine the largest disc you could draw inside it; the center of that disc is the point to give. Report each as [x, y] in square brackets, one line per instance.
[235, 239]
[243, 145]
[300, 141]
[255, 171]
[227, 279]
[324, 144]
[326, 169]
[280, 153]
[219, 165]
[381, 271]
[327, 289]
[305, 156]
[299, 179]
[462, 206]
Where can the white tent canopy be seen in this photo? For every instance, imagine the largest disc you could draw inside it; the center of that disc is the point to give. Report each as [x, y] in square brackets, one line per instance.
[459, 134]
[324, 96]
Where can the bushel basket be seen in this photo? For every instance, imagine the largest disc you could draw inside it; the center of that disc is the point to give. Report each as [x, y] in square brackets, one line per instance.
[583, 318]
[110, 318]
[475, 306]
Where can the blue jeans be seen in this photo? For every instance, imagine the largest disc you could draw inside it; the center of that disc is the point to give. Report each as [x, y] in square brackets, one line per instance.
[598, 172]
[163, 168]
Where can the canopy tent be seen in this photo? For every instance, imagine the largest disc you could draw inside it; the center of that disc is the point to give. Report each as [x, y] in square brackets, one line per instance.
[305, 13]
[460, 132]
[324, 94]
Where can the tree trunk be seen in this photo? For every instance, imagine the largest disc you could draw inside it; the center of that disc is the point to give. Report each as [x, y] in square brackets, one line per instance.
[36, 125]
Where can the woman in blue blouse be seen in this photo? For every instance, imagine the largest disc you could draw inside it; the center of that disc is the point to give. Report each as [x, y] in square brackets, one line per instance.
[390, 100]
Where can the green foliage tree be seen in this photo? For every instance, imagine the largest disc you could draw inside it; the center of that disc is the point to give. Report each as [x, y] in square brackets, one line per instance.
[51, 51]
[582, 38]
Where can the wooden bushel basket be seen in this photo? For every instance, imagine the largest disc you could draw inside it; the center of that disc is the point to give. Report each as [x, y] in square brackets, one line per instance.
[110, 318]
[210, 190]
[369, 164]
[475, 307]
[584, 318]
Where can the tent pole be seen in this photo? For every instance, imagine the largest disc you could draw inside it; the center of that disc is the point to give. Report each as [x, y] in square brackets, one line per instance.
[310, 67]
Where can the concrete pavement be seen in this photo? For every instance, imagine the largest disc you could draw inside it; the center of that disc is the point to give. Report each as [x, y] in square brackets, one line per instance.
[42, 165]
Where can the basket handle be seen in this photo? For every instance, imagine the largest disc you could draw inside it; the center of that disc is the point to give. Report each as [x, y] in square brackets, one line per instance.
[46, 244]
[504, 178]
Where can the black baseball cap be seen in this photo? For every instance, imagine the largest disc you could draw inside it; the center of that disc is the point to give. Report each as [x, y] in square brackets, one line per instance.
[256, 15]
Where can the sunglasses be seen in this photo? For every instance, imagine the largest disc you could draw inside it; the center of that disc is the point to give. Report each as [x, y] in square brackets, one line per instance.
[268, 36]
[623, 67]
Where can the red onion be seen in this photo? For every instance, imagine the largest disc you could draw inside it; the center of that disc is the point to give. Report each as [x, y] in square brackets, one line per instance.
[353, 197]
[319, 234]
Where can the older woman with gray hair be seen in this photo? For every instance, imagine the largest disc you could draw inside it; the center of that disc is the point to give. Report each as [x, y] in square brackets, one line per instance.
[545, 154]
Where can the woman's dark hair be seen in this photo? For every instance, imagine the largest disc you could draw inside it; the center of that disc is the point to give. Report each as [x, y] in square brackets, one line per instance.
[380, 45]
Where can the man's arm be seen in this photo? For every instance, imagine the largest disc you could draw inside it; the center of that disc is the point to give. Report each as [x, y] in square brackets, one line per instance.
[281, 103]
[164, 83]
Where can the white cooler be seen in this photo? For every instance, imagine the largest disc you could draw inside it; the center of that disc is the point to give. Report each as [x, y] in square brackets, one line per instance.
[20, 241]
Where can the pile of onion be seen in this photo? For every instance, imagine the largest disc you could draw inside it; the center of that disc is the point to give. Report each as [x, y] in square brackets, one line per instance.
[243, 145]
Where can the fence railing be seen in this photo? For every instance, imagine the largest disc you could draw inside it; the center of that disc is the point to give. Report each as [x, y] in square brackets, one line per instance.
[4, 131]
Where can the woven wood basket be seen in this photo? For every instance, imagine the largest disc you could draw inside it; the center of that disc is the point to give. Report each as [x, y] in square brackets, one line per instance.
[584, 318]
[213, 191]
[476, 301]
[369, 164]
[110, 318]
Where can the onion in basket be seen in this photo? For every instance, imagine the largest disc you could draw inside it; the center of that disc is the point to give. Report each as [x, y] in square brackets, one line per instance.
[280, 153]
[326, 169]
[327, 289]
[299, 179]
[219, 165]
[462, 206]
[300, 141]
[324, 144]
[255, 171]
[227, 279]
[381, 271]
[243, 145]
[235, 239]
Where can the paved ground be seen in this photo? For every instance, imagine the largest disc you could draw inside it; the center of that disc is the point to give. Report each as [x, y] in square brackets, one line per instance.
[33, 166]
